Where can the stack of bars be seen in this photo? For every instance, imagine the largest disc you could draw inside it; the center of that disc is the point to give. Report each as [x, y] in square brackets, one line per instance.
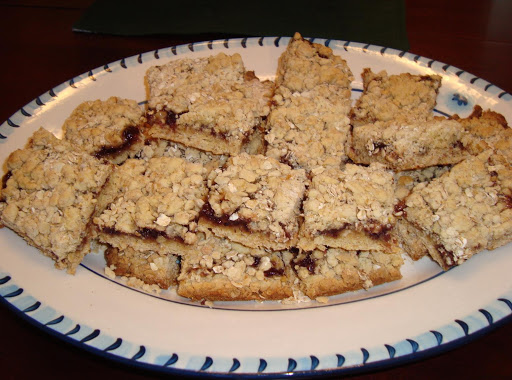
[233, 188]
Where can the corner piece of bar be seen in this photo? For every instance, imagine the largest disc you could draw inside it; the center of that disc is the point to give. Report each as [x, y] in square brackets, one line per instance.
[109, 129]
[463, 212]
[405, 97]
[49, 195]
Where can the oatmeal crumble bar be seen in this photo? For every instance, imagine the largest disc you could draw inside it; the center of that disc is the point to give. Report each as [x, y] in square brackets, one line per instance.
[309, 129]
[48, 197]
[407, 179]
[305, 65]
[463, 212]
[337, 271]
[221, 270]
[487, 129]
[152, 205]
[148, 266]
[212, 104]
[414, 145]
[350, 209]
[405, 97]
[255, 200]
[107, 129]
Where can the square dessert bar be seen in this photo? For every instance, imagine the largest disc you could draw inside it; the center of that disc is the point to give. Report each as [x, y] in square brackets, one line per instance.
[211, 104]
[152, 205]
[337, 271]
[305, 65]
[255, 201]
[350, 209]
[221, 270]
[461, 213]
[148, 266]
[49, 195]
[109, 129]
[310, 129]
[409, 146]
[405, 97]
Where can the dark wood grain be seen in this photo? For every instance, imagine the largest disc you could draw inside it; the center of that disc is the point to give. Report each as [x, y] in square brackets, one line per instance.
[39, 51]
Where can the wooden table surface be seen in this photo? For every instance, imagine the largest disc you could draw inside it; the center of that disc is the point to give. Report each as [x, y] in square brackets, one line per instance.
[39, 51]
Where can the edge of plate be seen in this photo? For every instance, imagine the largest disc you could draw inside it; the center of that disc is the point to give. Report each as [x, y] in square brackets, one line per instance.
[446, 337]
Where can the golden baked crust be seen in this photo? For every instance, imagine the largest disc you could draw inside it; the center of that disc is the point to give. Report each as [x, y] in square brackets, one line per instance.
[350, 209]
[49, 196]
[404, 97]
[337, 271]
[221, 270]
[305, 65]
[210, 103]
[465, 211]
[148, 266]
[409, 146]
[107, 129]
[255, 200]
[155, 202]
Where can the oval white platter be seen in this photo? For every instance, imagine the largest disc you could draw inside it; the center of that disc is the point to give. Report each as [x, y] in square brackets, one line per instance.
[426, 312]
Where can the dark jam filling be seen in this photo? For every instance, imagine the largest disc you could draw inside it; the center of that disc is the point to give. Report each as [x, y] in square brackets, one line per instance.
[145, 233]
[448, 256]
[256, 262]
[400, 207]
[307, 262]
[507, 199]
[130, 135]
[373, 228]
[273, 272]
[5, 178]
[223, 220]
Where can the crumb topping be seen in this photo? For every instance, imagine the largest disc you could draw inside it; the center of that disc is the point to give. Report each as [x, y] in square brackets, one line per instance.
[356, 197]
[309, 129]
[241, 265]
[158, 197]
[51, 192]
[96, 126]
[214, 94]
[260, 192]
[467, 209]
[405, 97]
[305, 65]
[409, 146]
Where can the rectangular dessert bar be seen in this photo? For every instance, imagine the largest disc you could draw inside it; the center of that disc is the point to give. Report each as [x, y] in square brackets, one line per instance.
[350, 209]
[152, 205]
[148, 266]
[212, 104]
[49, 195]
[461, 213]
[404, 97]
[337, 271]
[221, 270]
[109, 129]
[255, 200]
[409, 146]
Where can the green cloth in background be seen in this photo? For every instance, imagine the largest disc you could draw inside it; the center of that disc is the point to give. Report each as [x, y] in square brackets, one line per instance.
[379, 22]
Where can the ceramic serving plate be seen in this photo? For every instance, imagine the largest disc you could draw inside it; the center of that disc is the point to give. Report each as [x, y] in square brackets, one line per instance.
[425, 312]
